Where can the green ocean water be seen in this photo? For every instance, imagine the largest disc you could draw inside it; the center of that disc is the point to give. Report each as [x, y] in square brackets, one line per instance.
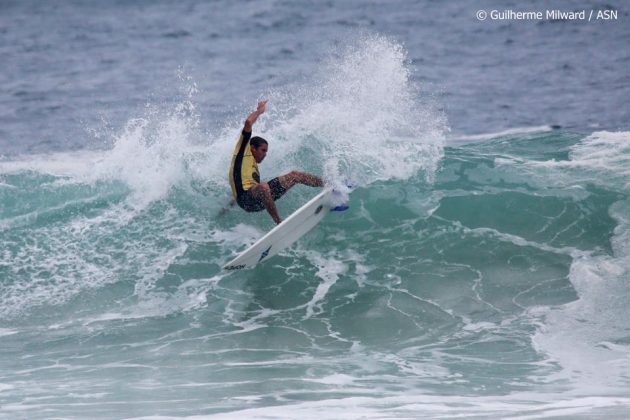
[494, 282]
[481, 272]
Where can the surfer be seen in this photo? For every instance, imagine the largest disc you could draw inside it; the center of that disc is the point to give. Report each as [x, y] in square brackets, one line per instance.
[249, 193]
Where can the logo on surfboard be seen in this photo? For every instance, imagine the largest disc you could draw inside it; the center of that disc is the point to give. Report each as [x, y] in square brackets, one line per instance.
[265, 253]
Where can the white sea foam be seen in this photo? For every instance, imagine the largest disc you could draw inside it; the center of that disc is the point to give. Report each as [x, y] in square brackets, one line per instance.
[360, 119]
[6, 331]
[607, 153]
[462, 138]
[588, 337]
[522, 406]
[6, 387]
[71, 164]
[602, 158]
[239, 235]
[150, 154]
[328, 270]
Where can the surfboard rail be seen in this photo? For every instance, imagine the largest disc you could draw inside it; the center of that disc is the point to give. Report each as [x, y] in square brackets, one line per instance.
[286, 233]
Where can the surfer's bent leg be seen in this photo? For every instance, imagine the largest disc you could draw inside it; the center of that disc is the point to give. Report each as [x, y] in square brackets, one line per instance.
[295, 177]
[263, 192]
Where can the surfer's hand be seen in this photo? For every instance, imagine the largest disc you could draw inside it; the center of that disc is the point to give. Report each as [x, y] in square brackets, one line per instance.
[249, 122]
[261, 106]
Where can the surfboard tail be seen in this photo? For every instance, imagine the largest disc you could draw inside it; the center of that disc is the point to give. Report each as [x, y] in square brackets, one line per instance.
[340, 197]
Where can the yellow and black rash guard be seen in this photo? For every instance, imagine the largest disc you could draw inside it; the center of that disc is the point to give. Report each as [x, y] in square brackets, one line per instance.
[244, 172]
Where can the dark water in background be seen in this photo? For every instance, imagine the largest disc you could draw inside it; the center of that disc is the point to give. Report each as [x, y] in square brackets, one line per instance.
[476, 274]
[71, 68]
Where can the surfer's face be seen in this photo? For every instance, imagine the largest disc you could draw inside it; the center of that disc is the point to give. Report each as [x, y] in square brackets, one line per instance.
[260, 153]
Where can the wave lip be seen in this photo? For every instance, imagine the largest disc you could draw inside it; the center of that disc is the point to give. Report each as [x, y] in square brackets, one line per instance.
[456, 139]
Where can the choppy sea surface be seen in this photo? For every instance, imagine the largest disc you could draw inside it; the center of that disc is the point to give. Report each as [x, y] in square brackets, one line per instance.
[482, 271]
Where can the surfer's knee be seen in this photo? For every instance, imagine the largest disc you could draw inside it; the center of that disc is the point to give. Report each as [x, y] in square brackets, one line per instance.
[261, 190]
[264, 188]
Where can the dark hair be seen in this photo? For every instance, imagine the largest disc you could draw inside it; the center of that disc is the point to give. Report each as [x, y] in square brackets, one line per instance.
[257, 142]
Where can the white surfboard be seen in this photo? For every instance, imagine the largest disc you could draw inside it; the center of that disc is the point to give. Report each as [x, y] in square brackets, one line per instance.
[286, 233]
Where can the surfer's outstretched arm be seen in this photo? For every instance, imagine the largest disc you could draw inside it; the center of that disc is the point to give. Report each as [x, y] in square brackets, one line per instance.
[251, 119]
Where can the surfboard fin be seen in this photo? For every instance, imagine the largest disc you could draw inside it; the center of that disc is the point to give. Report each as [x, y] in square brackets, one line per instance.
[341, 197]
[342, 207]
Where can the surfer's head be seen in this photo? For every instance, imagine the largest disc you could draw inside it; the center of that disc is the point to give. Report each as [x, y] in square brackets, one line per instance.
[259, 147]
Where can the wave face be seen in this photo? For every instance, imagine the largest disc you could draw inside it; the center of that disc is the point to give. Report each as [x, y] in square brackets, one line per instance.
[493, 279]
